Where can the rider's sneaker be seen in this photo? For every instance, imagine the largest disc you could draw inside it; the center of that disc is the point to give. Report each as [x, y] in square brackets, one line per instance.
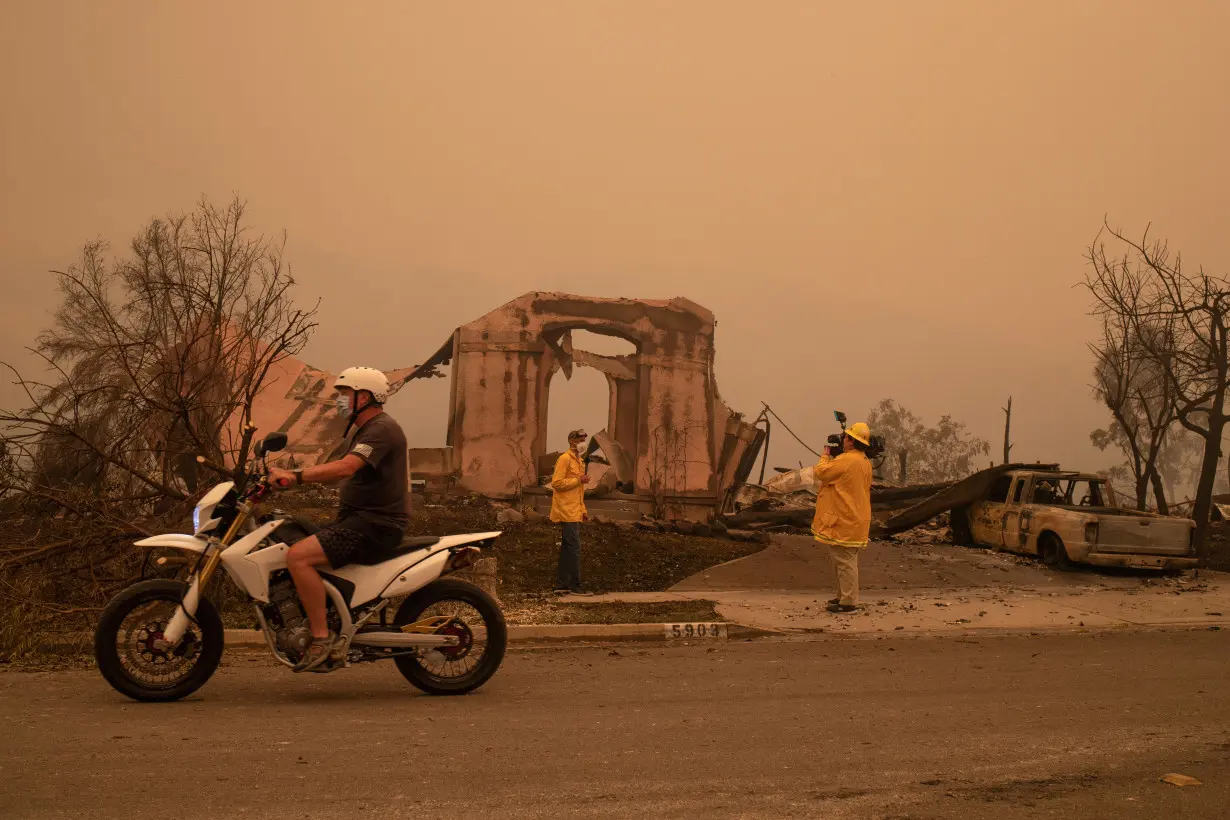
[318, 651]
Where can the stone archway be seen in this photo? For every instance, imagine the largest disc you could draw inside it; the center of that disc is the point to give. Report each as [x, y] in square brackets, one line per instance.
[571, 346]
[664, 402]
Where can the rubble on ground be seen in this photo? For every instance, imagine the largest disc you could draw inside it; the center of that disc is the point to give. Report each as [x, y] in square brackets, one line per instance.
[936, 531]
[509, 516]
[716, 529]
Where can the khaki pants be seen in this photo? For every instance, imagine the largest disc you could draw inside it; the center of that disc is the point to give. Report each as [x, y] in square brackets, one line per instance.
[845, 561]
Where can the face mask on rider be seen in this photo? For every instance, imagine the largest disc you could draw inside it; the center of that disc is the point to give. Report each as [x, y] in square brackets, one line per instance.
[343, 406]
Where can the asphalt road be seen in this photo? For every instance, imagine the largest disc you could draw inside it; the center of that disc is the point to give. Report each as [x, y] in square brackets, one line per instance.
[1076, 726]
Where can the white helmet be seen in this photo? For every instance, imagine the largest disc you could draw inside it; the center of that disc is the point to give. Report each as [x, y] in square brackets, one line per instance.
[364, 378]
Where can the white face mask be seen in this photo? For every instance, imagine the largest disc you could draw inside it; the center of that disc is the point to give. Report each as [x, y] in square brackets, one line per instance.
[343, 406]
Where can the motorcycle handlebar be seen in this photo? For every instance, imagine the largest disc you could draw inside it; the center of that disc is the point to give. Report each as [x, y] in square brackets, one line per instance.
[262, 487]
[275, 485]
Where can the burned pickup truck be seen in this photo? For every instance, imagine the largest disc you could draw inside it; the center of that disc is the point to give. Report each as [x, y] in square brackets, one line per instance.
[1071, 518]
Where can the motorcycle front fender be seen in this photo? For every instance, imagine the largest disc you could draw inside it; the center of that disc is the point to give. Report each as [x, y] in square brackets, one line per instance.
[174, 540]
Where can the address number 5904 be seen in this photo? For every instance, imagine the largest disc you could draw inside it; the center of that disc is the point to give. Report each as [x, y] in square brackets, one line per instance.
[696, 630]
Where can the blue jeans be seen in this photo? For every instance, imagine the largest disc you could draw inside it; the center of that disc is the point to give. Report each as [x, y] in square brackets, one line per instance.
[568, 571]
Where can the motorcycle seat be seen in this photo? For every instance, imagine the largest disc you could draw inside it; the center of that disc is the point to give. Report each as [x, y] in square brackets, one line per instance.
[308, 526]
[408, 545]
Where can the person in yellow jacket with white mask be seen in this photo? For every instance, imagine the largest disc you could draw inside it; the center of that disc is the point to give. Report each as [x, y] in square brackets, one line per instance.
[568, 510]
[843, 510]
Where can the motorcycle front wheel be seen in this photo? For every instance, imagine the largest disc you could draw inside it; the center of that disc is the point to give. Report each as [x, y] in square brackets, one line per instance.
[124, 643]
[474, 617]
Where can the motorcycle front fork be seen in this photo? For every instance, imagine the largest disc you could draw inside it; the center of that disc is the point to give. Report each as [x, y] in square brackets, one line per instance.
[186, 611]
[184, 614]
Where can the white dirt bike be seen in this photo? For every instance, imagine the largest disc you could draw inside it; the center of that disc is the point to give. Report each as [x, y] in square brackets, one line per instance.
[162, 639]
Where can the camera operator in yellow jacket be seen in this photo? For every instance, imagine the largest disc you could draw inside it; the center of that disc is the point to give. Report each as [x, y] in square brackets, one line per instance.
[843, 510]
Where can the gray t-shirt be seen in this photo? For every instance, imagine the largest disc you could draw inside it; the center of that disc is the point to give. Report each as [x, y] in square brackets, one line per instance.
[377, 492]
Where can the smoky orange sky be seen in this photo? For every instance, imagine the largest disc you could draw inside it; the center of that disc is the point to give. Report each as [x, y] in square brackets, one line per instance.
[876, 199]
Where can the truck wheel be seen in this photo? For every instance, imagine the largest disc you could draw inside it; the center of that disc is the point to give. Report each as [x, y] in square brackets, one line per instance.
[1053, 553]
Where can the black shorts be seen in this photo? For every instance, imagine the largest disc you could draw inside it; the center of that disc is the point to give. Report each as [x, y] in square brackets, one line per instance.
[354, 540]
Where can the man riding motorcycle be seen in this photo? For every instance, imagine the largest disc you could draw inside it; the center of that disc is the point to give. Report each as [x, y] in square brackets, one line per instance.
[373, 513]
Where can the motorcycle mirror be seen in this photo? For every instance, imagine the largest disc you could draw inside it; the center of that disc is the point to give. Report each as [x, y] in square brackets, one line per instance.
[272, 443]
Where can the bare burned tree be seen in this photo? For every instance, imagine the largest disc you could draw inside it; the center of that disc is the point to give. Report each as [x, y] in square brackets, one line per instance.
[1179, 463]
[153, 358]
[1181, 322]
[1008, 431]
[1130, 382]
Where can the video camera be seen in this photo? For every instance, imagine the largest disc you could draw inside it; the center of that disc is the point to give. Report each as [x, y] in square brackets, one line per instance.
[874, 450]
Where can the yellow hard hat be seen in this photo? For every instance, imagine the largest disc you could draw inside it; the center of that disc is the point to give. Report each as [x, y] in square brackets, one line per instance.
[860, 432]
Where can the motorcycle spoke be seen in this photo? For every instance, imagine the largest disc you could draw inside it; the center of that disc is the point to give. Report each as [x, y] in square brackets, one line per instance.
[448, 662]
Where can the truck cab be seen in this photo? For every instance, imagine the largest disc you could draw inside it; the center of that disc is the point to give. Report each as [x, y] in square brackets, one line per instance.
[1073, 518]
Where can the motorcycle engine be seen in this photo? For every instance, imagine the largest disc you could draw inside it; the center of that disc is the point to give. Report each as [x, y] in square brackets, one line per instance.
[293, 632]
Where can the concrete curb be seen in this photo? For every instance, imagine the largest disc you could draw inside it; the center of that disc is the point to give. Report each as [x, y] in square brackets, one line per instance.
[550, 634]
[557, 633]
[998, 631]
[598, 633]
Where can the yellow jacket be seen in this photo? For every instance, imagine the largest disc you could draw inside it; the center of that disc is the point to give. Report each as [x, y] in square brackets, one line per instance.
[568, 500]
[843, 500]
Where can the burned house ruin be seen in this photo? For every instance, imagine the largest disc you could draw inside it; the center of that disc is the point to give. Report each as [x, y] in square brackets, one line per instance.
[671, 443]
[670, 447]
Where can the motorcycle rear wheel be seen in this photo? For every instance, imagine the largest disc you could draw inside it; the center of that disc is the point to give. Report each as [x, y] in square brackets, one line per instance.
[442, 593]
[131, 669]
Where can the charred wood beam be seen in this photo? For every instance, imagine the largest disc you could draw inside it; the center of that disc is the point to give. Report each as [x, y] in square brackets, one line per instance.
[901, 493]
